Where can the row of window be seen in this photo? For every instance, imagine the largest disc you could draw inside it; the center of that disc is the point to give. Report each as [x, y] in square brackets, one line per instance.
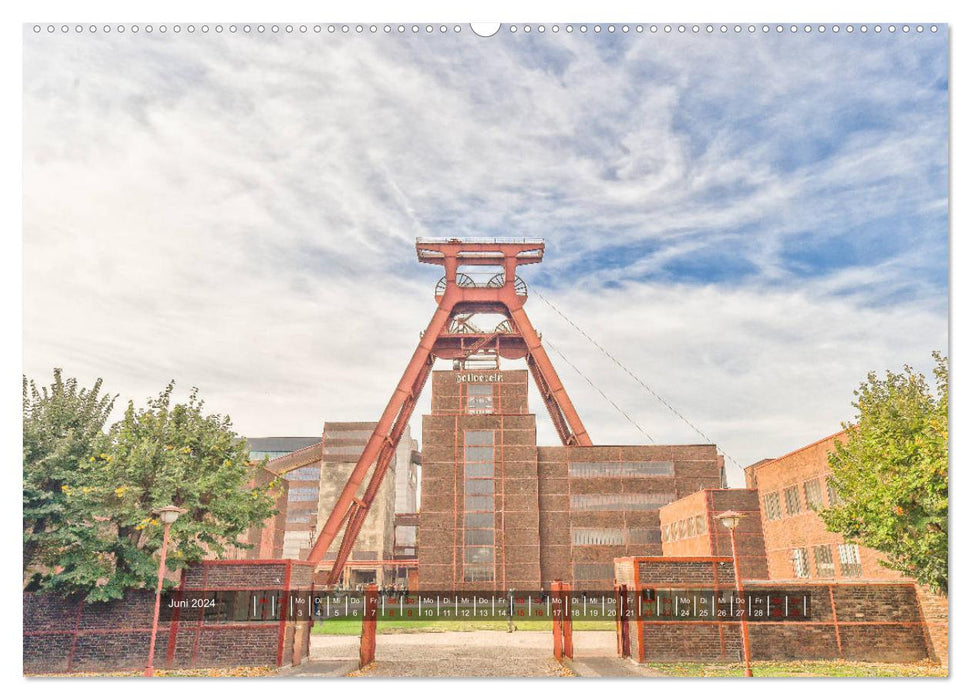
[849, 560]
[583, 536]
[614, 469]
[684, 528]
[303, 494]
[304, 474]
[793, 497]
[619, 501]
[480, 506]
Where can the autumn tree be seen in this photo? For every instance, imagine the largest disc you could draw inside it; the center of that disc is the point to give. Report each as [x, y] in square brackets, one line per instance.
[891, 474]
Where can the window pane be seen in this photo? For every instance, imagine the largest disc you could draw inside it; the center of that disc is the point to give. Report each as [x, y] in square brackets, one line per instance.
[611, 469]
[772, 509]
[478, 555]
[479, 437]
[813, 493]
[800, 563]
[478, 572]
[479, 520]
[850, 560]
[480, 404]
[480, 537]
[481, 469]
[824, 561]
[480, 486]
[479, 454]
[479, 389]
[620, 501]
[699, 525]
[792, 500]
[479, 503]
[302, 494]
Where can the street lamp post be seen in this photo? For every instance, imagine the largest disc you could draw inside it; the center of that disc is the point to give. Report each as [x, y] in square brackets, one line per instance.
[168, 514]
[731, 519]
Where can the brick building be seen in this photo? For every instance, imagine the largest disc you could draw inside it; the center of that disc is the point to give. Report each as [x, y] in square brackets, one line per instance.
[797, 544]
[315, 470]
[781, 539]
[500, 512]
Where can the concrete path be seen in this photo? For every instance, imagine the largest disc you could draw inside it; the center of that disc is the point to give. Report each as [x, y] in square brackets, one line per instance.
[330, 657]
[479, 654]
[595, 656]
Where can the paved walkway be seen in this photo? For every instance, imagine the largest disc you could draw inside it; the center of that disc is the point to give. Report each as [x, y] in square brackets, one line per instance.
[467, 654]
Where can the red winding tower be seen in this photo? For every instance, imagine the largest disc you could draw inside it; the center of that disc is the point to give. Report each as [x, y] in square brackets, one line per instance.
[449, 335]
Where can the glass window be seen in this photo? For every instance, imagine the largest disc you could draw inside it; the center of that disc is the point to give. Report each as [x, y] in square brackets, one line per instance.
[597, 535]
[824, 561]
[302, 494]
[474, 572]
[603, 469]
[689, 527]
[792, 500]
[479, 398]
[666, 533]
[813, 493]
[619, 501]
[850, 561]
[800, 563]
[479, 537]
[773, 510]
[304, 474]
[473, 503]
[479, 486]
[700, 528]
[479, 520]
[478, 555]
[479, 454]
[479, 469]
[479, 437]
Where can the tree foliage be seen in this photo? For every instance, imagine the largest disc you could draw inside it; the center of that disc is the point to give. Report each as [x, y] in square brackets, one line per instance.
[106, 537]
[61, 423]
[891, 474]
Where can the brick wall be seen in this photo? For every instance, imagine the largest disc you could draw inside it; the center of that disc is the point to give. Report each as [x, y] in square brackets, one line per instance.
[64, 634]
[856, 621]
[934, 609]
[690, 528]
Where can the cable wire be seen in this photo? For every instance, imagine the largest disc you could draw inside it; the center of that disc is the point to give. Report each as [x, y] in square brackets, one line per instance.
[631, 374]
[624, 413]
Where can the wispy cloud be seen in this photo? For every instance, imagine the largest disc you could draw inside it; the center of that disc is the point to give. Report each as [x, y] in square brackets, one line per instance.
[753, 221]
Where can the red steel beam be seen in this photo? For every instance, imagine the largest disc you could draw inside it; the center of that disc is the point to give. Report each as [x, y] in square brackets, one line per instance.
[381, 446]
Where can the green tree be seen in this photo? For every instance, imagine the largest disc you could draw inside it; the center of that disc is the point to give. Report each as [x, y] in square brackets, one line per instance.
[61, 423]
[891, 473]
[166, 453]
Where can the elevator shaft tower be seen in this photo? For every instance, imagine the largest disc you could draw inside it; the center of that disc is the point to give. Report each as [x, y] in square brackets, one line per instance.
[449, 335]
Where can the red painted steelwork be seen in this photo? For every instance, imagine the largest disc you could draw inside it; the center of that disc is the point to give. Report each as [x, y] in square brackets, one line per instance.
[369, 625]
[455, 299]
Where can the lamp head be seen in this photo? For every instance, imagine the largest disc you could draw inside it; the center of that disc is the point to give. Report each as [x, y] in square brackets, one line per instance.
[169, 514]
[730, 519]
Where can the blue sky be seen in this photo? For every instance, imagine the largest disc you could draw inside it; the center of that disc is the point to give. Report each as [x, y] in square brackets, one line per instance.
[751, 223]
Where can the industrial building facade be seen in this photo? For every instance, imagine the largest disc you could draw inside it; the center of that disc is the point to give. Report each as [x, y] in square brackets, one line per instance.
[313, 471]
[500, 512]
